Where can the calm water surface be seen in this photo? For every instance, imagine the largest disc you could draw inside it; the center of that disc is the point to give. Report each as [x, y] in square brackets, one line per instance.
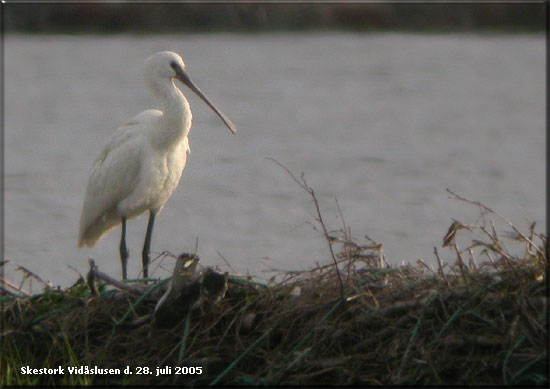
[380, 123]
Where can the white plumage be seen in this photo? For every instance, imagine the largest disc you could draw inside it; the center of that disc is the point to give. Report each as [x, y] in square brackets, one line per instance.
[142, 162]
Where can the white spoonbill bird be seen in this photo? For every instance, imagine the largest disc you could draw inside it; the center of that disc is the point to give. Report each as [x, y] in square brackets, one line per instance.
[141, 164]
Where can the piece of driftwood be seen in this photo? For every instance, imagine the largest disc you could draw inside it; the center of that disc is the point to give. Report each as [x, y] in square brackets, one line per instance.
[183, 293]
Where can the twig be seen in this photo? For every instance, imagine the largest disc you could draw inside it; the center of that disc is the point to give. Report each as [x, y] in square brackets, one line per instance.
[309, 190]
[160, 256]
[441, 272]
[9, 285]
[110, 280]
[318, 268]
[226, 262]
[472, 259]
[531, 233]
[347, 238]
[460, 263]
[90, 279]
[76, 271]
[422, 263]
[29, 274]
[380, 248]
[484, 207]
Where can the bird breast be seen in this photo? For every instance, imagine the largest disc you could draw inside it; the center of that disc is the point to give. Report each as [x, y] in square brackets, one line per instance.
[159, 175]
[163, 173]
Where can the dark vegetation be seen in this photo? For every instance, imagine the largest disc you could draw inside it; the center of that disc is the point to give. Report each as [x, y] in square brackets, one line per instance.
[355, 321]
[161, 17]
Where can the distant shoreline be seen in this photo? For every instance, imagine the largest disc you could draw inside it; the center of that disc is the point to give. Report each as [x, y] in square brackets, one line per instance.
[117, 18]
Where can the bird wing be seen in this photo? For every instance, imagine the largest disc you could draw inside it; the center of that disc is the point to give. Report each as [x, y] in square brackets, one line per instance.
[113, 177]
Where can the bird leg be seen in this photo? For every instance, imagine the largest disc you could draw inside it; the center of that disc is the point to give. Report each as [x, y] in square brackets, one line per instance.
[146, 253]
[123, 249]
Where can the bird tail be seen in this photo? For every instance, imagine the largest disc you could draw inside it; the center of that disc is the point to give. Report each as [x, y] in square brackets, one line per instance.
[90, 234]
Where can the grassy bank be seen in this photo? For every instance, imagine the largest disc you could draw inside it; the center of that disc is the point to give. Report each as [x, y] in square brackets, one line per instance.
[481, 321]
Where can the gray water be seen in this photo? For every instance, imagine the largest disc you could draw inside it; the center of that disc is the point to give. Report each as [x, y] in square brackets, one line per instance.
[382, 123]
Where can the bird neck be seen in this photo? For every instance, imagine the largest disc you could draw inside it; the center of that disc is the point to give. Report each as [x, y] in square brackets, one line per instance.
[177, 117]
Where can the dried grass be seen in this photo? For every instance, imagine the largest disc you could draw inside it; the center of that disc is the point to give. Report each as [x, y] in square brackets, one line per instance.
[361, 323]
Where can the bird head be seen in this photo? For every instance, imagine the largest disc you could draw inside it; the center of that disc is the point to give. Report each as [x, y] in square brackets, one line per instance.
[169, 65]
[164, 65]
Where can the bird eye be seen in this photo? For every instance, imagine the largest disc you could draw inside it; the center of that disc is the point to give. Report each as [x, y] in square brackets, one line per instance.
[173, 65]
